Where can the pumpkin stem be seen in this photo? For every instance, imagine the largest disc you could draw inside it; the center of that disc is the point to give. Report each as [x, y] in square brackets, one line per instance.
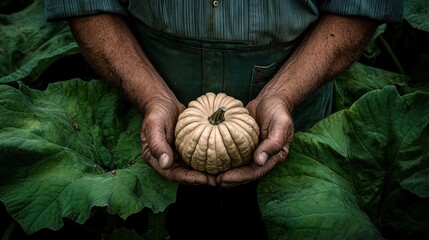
[218, 116]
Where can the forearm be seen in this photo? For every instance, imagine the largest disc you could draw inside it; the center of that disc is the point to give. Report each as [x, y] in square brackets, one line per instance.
[329, 48]
[112, 50]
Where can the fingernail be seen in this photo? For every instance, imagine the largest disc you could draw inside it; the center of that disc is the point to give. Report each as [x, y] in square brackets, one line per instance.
[163, 160]
[263, 157]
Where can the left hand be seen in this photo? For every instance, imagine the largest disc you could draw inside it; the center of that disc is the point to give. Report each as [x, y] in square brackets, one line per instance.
[157, 134]
[276, 133]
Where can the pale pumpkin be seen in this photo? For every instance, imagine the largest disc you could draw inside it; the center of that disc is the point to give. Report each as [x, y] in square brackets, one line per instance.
[216, 133]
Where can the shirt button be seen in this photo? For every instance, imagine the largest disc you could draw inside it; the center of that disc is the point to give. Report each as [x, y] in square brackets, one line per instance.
[215, 3]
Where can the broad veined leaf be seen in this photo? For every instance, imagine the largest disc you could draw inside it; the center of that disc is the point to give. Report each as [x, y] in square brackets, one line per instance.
[360, 79]
[309, 196]
[361, 173]
[389, 157]
[416, 12]
[69, 148]
[29, 44]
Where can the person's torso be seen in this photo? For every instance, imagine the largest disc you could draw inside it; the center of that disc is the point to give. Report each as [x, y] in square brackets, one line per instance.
[234, 46]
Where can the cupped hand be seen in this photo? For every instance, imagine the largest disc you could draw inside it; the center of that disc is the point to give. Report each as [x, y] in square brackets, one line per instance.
[276, 134]
[157, 137]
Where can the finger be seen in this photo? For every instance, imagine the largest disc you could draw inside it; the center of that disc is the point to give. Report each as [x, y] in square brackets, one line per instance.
[183, 175]
[158, 142]
[278, 141]
[246, 174]
[163, 161]
[180, 174]
[177, 172]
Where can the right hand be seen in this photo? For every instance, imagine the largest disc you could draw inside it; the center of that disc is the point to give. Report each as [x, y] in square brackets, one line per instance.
[157, 137]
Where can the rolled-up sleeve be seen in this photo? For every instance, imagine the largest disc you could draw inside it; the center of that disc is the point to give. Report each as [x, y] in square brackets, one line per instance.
[383, 10]
[62, 9]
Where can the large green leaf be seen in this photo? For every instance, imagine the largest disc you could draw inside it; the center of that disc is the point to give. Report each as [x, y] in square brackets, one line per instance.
[416, 12]
[360, 79]
[362, 173]
[29, 45]
[69, 148]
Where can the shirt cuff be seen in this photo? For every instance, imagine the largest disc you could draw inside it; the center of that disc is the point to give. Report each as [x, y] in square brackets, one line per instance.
[382, 10]
[56, 10]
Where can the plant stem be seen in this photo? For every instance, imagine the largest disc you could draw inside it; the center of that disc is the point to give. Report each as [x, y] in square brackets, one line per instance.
[392, 55]
[9, 231]
[218, 116]
[156, 222]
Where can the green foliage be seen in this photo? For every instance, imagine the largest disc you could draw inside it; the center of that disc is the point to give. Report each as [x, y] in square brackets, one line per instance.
[70, 148]
[416, 12]
[361, 173]
[402, 47]
[70, 153]
[360, 79]
[28, 45]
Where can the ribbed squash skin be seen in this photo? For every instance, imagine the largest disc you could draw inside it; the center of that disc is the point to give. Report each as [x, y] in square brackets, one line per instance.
[215, 148]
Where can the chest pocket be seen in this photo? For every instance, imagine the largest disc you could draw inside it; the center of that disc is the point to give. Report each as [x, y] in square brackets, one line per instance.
[261, 75]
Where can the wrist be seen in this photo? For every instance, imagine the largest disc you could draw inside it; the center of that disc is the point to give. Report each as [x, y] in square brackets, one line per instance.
[284, 90]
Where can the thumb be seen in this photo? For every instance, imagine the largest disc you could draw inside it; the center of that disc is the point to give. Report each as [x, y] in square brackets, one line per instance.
[165, 161]
[158, 147]
[261, 158]
[272, 146]
[277, 143]
[269, 147]
[162, 151]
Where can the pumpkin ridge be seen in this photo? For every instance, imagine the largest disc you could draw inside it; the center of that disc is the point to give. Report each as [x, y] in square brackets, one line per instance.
[197, 105]
[217, 101]
[254, 129]
[206, 103]
[200, 153]
[223, 156]
[231, 147]
[231, 103]
[184, 137]
[195, 111]
[238, 141]
[244, 149]
[211, 165]
[248, 132]
[188, 144]
[185, 125]
[249, 120]
[238, 110]
[244, 117]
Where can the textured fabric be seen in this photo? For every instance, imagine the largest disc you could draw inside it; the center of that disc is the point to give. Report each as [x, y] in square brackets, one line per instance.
[385, 10]
[62, 9]
[254, 22]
